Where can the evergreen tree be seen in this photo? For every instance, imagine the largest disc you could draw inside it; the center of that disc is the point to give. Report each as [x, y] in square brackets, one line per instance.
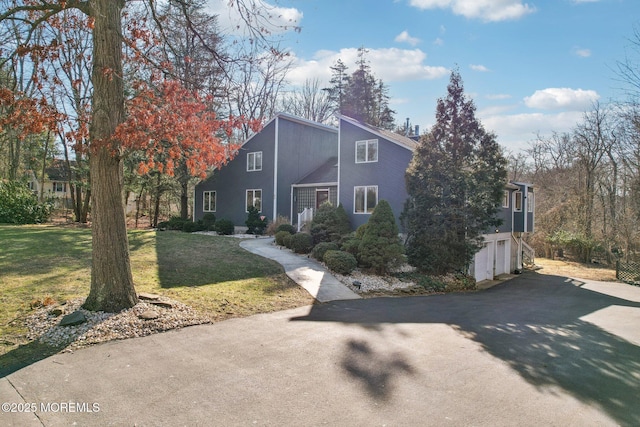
[360, 95]
[380, 247]
[455, 183]
[339, 81]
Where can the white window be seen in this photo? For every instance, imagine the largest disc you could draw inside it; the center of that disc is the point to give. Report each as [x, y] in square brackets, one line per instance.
[254, 198]
[59, 187]
[505, 200]
[530, 202]
[208, 201]
[365, 199]
[517, 201]
[367, 151]
[254, 161]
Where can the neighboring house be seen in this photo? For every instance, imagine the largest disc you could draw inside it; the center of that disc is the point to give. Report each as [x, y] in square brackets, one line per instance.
[55, 186]
[294, 164]
[291, 164]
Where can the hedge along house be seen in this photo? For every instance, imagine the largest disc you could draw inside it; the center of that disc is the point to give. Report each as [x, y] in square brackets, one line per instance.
[290, 165]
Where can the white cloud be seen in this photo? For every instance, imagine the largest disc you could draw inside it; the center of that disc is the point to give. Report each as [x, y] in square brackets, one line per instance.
[486, 10]
[516, 131]
[480, 68]
[583, 53]
[404, 37]
[562, 98]
[270, 18]
[390, 65]
[438, 42]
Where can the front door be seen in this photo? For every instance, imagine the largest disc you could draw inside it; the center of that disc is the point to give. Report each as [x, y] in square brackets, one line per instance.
[322, 196]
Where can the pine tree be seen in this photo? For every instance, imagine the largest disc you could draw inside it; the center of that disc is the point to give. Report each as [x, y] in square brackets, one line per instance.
[380, 247]
[455, 183]
[360, 95]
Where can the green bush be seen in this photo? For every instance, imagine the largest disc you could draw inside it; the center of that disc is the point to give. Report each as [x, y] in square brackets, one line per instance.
[380, 247]
[329, 224]
[301, 243]
[224, 227]
[255, 222]
[280, 237]
[209, 221]
[351, 244]
[174, 223]
[286, 227]
[340, 262]
[192, 227]
[321, 248]
[287, 240]
[19, 205]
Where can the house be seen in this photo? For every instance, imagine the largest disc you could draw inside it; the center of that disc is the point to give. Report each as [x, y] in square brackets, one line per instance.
[294, 165]
[290, 165]
[505, 251]
[55, 186]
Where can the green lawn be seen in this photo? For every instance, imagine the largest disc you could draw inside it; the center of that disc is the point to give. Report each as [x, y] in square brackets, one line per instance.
[212, 274]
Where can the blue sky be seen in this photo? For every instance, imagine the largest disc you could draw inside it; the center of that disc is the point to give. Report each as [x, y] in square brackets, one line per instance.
[530, 66]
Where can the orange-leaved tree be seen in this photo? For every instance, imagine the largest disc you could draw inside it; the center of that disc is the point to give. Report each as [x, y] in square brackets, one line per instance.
[112, 288]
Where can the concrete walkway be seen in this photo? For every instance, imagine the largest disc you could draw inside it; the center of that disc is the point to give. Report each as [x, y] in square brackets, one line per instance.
[303, 270]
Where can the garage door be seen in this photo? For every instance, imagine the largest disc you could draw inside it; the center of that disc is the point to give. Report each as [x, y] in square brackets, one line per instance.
[484, 263]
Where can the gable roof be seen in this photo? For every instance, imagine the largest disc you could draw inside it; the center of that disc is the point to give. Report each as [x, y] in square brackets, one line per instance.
[295, 119]
[398, 139]
[327, 173]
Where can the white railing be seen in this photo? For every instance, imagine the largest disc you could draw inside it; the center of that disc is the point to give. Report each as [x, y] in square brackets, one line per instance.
[528, 254]
[304, 217]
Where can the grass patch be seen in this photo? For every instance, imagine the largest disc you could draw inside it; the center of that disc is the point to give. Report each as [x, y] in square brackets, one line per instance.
[212, 274]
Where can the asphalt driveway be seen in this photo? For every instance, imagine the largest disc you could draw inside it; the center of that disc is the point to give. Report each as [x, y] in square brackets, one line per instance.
[537, 350]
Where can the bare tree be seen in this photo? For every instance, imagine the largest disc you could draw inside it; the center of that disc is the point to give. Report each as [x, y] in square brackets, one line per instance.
[256, 83]
[310, 102]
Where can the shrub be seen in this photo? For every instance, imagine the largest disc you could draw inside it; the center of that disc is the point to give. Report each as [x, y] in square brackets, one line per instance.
[255, 222]
[174, 223]
[329, 224]
[224, 227]
[19, 205]
[321, 248]
[272, 228]
[287, 240]
[209, 220]
[301, 243]
[351, 245]
[340, 262]
[380, 247]
[191, 227]
[280, 236]
[286, 227]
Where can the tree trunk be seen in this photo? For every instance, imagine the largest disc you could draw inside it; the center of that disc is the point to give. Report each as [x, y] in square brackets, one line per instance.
[184, 198]
[112, 287]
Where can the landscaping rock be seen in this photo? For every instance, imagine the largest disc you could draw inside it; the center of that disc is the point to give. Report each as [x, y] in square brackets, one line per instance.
[149, 315]
[148, 297]
[164, 304]
[56, 311]
[75, 318]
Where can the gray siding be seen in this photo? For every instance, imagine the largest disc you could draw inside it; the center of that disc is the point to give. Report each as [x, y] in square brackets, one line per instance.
[231, 181]
[388, 173]
[302, 149]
